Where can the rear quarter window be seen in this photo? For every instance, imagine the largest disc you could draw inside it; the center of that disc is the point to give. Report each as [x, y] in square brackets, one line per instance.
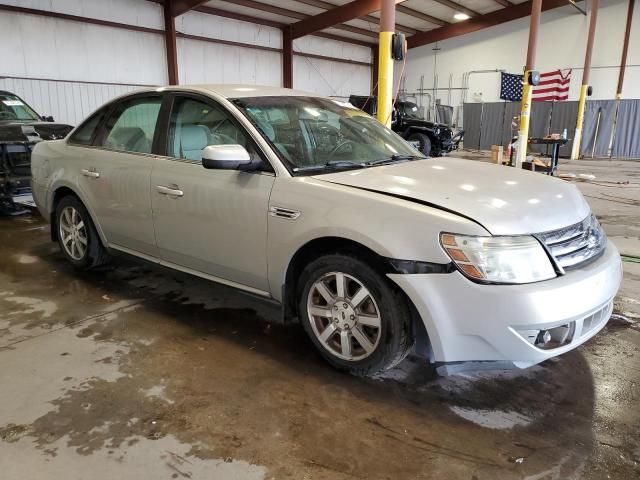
[85, 133]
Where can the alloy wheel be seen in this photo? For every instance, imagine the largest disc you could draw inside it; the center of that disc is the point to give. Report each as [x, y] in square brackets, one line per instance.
[73, 232]
[344, 316]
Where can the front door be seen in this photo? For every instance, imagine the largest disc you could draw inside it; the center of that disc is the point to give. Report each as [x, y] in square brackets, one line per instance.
[115, 175]
[210, 221]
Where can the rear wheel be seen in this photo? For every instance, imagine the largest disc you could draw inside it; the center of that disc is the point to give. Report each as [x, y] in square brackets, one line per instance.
[424, 141]
[354, 317]
[77, 236]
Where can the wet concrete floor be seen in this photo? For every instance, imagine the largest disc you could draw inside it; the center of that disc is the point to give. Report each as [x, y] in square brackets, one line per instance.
[133, 371]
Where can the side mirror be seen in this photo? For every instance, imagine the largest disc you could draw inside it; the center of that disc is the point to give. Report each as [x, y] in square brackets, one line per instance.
[225, 157]
[47, 118]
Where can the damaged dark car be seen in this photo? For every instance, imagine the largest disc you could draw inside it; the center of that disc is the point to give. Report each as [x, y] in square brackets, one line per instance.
[20, 129]
[432, 139]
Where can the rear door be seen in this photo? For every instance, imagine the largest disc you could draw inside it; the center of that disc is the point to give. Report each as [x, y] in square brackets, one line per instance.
[115, 172]
[210, 221]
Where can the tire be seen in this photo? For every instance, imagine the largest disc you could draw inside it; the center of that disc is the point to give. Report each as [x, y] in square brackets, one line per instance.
[85, 250]
[367, 349]
[424, 141]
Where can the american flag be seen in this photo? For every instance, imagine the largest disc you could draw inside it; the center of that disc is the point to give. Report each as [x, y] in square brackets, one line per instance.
[510, 87]
[553, 86]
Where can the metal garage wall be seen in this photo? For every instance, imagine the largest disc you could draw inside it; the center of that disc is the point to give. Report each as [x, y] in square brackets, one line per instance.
[205, 62]
[626, 142]
[331, 78]
[564, 116]
[62, 64]
[472, 119]
[491, 131]
[597, 129]
[539, 124]
[67, 102]
[489, 124]
[33, 46]
[511, 110]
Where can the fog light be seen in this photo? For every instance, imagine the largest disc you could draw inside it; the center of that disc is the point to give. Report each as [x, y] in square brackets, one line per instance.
[543, 338]
[550, 338]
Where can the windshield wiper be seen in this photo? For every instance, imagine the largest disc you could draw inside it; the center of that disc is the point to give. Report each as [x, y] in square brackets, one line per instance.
[332, 165]
[394, 159]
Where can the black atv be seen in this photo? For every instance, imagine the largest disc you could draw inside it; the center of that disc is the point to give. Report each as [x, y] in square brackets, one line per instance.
[20, 129]
[432, 139]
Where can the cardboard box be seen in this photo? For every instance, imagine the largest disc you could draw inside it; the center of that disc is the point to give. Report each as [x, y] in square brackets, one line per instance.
[497, 154]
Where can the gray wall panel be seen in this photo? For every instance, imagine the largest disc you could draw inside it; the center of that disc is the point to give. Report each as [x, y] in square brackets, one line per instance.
[626, 142]
[472, 117]
[564, 116]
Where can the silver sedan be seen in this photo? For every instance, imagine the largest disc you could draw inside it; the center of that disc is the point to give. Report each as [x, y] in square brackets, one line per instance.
[374, 249]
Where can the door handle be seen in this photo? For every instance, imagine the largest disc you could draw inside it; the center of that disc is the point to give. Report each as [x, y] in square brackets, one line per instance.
[172, 192]
[90, 173]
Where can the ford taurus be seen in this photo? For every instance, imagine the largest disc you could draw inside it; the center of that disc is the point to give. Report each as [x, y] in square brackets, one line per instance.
[309, 202]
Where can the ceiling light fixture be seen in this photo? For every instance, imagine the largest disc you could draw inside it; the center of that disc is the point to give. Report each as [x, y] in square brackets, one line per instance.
[461, 16]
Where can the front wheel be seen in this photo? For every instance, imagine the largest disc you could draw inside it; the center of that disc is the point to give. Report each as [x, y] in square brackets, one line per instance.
[355, 318]
[423, 140]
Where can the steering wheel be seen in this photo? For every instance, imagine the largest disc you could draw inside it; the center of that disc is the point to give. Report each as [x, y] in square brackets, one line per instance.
[340, 145]
[7, 115]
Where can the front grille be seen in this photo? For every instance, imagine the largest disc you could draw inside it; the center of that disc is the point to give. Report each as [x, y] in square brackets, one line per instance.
[575, 245]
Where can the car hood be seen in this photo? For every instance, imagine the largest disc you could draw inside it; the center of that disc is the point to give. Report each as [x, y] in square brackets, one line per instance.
[505, 201]
[13, 131]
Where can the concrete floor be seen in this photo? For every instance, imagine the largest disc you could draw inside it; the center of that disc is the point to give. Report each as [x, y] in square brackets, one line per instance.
[135, 372]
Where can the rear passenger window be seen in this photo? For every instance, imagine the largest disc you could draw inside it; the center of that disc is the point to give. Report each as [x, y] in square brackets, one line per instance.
[130, 128]
[84, 134]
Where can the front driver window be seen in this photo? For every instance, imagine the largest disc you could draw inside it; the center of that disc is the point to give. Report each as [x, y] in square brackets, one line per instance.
[196, 125]
[131, 127]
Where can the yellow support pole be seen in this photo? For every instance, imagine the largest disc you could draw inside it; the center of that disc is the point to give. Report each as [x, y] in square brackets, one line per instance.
[525, 115]
[577, 137]
[385, 79]
[385, 62]
[527, 89]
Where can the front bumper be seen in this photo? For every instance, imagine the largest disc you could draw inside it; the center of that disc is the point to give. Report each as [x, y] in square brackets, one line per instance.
[467, 321]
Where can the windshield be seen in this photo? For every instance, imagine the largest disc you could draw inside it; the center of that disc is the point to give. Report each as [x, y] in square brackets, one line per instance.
[410, 109]
[315, 133]
[13, 108]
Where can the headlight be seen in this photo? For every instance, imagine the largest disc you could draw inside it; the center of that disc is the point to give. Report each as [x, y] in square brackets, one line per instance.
[518, 259]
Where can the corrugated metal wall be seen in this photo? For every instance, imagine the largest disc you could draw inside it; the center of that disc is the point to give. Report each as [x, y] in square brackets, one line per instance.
[67, 69]
[67, 102]
[602, 128]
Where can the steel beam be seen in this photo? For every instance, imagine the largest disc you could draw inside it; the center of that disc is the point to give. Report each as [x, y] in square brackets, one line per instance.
[421, 16]
[179, 7]
[584, 88]
[504, 3]
[271, 23]
[457, 7]
[285, 12]
[287, 58]
[625, 50]
[480, 22]
[170, 43]
[335, 16]
[366, 18]
[527, 88]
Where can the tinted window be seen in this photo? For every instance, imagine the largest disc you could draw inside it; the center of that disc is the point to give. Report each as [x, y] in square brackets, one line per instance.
[196, 124]
[84, 134]
[13, 108]
[130, 128]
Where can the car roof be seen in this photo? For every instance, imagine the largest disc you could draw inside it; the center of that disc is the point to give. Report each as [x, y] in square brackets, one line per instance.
[241, 91]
